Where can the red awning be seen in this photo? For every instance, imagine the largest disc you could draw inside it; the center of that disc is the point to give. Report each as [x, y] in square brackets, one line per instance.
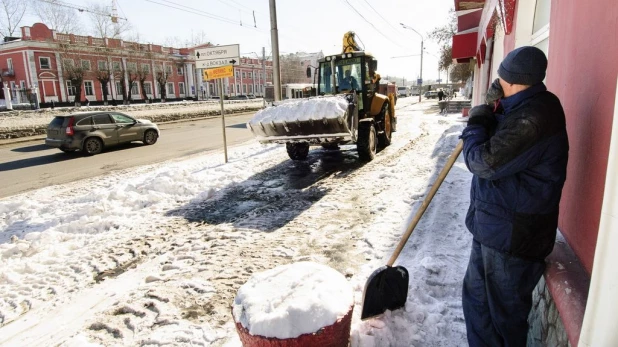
[468, 20]
[464, 47]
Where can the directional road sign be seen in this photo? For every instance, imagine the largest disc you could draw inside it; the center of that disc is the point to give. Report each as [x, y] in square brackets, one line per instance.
[216, 56]
[218, 72]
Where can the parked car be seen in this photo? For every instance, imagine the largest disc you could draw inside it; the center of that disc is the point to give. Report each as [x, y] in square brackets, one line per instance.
[90, 132]
[239, 97]
[431, 94]
[250, 96]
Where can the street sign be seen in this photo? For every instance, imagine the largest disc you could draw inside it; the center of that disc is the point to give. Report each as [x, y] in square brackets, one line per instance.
[217, 52]
[208, 64]
[419, 81]
[438, 80]
[218, 72]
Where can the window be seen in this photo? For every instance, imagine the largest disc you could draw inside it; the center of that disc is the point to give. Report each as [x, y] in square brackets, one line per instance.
[244, 75]
[119, 88]
[101, 119]
[70, 89]
[170, 88]
[147, 88]
[236, 72]
[244, 89]
[86, 65]
[146, 68]
[121, 118]
[180, 71]
[168, 69]
[181, 88]
[88, 87]
[134, 89]
[102, 65]
[238, 88]
[132, 67]
[9, 63]
[44, 63]
[85, 121]
[68, 63]
[540, 27]
[116, 65]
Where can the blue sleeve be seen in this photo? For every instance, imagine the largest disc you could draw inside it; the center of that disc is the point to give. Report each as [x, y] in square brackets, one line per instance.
[500, 155]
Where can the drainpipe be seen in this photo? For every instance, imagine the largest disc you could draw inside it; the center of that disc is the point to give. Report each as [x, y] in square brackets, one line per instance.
[599, 326]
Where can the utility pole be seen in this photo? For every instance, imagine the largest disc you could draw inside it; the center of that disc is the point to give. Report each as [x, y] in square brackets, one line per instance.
[421, 78]
[274, 37]
[263, 76]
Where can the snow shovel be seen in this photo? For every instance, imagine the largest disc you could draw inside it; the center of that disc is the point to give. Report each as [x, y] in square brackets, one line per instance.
[387, 287]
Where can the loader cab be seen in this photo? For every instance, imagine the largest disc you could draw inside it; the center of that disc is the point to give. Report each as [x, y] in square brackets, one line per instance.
[347, 73]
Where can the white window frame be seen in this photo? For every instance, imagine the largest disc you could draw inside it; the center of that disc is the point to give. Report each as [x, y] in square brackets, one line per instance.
[86, 88]
[146, 68]
[181, 88]
[116, 66]
[132, 66]
[87, 66]
[9, 64]
[148, 88]
[180, 71]
[118, 87]
[135, 88]
[48, 63]
[167, 89]
[99, 62]
[70, 88]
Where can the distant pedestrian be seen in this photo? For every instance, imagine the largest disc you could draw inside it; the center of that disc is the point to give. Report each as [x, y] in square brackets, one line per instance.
[440, 95]
[517, 151]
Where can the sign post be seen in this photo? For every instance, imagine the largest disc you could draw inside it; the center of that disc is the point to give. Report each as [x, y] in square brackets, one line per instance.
[217, 63]
[223, 118]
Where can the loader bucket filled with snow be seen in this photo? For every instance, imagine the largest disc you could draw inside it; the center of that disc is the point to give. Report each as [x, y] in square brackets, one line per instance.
[301, 304]
[313, 120]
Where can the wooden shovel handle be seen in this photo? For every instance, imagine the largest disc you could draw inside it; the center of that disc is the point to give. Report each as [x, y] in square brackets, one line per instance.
[449, 164]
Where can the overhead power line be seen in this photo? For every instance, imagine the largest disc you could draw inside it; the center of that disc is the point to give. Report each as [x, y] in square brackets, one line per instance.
[366, 20]
[81, 9]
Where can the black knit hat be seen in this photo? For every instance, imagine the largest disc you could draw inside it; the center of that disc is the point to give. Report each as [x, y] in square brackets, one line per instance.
[524, 65]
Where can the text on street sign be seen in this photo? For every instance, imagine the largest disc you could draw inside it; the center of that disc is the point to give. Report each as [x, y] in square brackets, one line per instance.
[218, 72]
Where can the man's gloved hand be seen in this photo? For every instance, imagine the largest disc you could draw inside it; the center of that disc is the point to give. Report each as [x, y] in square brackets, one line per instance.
[494, 92]
[482, 115]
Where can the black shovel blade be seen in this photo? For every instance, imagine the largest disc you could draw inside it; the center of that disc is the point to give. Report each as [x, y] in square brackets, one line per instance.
[386, 289]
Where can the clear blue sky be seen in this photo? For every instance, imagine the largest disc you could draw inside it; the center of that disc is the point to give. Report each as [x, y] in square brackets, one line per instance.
[316, 25]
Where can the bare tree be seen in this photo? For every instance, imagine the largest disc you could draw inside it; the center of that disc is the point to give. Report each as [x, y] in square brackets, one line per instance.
[72, 68]
[102, 24]
[161, 77]
[11, 14]
[103, 72]
[461, 72]
[60, 18]
[292, 70]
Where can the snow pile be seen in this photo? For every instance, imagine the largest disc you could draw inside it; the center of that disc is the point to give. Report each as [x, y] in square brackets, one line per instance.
[291, 300]
[303, 109]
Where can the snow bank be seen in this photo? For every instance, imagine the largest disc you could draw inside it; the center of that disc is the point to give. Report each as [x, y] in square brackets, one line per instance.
[303, 109]
[291, 300]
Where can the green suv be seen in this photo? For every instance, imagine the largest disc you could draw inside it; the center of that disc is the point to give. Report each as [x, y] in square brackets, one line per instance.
[90, 132]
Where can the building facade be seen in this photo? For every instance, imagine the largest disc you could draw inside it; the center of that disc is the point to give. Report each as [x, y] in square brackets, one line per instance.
[580, 285]
[43, 64]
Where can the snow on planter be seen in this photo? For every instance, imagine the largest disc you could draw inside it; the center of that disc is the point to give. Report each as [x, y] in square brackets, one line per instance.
[303, 110]
[299, 304]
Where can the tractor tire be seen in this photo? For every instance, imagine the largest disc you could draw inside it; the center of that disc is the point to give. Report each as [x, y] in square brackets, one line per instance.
[297, 151]
[384, 138]
[366, 144]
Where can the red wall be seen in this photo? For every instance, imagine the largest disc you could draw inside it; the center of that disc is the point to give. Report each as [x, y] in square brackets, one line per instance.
[582, 72]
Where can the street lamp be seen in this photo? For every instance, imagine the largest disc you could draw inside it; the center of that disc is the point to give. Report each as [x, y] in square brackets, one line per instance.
[420, 87]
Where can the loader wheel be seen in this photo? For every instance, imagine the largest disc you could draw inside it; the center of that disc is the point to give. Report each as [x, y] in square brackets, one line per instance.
[366, 144]
[297, 151]
[384, 139]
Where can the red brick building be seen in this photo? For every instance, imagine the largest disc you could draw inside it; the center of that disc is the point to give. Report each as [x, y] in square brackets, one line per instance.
[42, 61]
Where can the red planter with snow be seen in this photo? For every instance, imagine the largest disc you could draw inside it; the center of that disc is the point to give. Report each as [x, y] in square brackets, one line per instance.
[335, 335]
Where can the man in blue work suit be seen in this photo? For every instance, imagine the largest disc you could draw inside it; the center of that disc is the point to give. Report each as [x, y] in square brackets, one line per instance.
[517, 149]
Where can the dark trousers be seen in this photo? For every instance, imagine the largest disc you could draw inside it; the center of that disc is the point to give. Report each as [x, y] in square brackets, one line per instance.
[497, 297]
